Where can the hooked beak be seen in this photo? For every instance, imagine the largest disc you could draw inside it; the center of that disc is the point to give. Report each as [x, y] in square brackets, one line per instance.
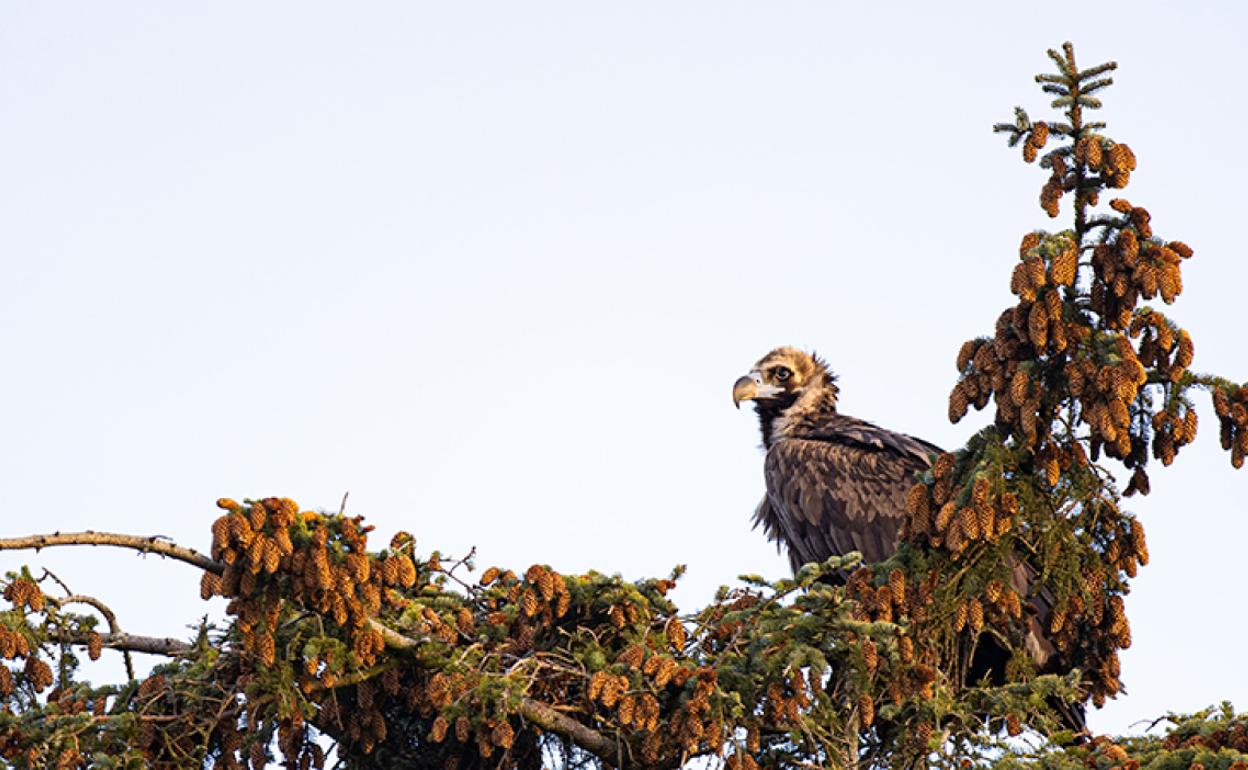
[745, 389]
[752, 388]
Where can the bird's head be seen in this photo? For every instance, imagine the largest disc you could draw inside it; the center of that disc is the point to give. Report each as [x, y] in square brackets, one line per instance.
[781, 378]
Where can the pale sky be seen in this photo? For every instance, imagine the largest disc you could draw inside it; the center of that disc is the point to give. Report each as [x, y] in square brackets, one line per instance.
[493, 268]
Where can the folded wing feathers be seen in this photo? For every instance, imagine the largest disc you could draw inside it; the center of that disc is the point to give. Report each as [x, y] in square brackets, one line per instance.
[841, 488]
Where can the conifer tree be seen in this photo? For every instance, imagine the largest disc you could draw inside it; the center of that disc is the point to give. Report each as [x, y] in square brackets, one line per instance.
[394, 656]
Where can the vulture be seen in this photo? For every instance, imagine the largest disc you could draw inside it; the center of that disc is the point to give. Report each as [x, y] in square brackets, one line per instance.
[837, 484]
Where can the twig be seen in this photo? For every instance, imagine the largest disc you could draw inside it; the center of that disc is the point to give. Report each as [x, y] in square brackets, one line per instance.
[47, 573]
[456, 564]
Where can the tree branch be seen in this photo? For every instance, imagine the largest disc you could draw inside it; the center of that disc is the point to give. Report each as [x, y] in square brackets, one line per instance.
[393, 638]
[145, 544]
[587, 738]
[104, 610]
[151, 645]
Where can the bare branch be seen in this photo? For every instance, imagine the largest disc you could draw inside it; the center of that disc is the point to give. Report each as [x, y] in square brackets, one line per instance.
[149, 644]
[103, 609]
[393, 638]
[456, 564]
[152, 645]
[145, 544]
[47, 573]
[587, 738]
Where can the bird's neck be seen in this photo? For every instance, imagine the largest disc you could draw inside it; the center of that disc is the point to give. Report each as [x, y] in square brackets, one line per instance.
[797, 417]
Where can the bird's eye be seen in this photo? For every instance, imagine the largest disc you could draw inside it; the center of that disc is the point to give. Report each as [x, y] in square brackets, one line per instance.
[782, 373]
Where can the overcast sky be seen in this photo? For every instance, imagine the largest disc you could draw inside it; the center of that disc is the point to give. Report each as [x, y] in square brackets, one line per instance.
[493, 268]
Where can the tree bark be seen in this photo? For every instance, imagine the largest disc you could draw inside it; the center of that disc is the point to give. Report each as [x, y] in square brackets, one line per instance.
[146, 544]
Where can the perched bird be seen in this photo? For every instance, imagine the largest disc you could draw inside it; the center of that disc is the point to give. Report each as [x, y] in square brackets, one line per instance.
[837, 484]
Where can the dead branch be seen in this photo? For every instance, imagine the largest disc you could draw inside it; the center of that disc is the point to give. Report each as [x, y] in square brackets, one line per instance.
[145, 544]
[151, 645]
[587, 738]
[109, 616]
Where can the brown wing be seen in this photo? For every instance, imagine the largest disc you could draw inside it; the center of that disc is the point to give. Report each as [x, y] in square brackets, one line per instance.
[842, 491]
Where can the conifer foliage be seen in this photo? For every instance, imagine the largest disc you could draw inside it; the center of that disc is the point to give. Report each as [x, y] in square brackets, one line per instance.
[398, 659]
[1081, 373]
